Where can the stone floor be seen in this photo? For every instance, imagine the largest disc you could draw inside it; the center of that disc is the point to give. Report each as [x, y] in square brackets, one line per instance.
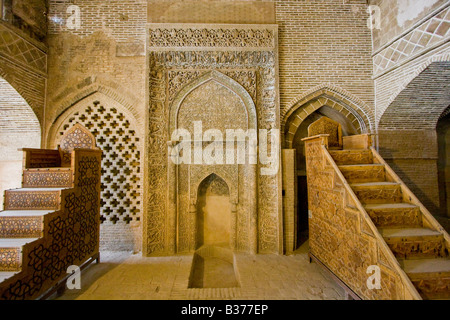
[123, 276]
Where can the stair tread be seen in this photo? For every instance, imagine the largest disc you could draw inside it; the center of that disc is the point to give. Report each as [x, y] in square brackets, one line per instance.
[6, 275]
[351, 150]
[382, 206]
[37, 189]
[374, 184]
[15, 243]
[49, 169]
[425, 265]
[364, 165]
[408, 232]
[24, 213]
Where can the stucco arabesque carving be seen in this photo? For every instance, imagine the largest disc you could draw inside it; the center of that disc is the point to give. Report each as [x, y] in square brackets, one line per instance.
[179, 56]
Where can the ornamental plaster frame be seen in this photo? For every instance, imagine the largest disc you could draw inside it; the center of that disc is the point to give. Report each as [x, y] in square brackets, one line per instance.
[195, 65]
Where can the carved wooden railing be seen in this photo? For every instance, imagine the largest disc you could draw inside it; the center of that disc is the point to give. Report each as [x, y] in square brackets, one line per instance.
[68, 235]
[342, 235]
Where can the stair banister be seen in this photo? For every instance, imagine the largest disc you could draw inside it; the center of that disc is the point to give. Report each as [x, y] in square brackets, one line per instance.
[380, 240]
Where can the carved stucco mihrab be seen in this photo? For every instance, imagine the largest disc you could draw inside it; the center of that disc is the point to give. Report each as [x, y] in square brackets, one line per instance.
[242, 60]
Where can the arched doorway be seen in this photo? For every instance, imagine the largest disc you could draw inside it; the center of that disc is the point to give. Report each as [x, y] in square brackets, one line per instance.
[330, 101]
[213, 213]
[348, 128]
[19, 128]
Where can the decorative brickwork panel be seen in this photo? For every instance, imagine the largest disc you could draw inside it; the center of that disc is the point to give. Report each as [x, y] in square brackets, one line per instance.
[195, 37]
[429, 34]
[22, 51]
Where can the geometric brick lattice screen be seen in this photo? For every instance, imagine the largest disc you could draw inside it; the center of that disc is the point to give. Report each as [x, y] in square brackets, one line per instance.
[121, 171]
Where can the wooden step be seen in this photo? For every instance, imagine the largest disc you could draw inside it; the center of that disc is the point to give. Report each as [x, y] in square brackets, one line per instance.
[33, 199]
[6, 275]
[361, 173]
[415, 243]
[378, 192]
[11, 254]
[22, 224]
[352, 157]
[431, 277]
[395, 215]
[47, 178]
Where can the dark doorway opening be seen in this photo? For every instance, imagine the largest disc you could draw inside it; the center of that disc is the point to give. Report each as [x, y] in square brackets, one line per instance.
[302, 231]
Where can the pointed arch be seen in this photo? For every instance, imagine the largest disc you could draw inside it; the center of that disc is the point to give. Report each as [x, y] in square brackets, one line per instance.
[211, 177]
[414, 75]
[10, 79]
[92, 97]
[326, 96]
[223, 80]
[232, 189]
[422, 98]
[335, 95]
[81, 90]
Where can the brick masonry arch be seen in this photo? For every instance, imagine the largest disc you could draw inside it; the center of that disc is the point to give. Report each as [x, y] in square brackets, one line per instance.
[345, 98]
[303, 110]
[75, 93]
[23, 93]
[421, 99]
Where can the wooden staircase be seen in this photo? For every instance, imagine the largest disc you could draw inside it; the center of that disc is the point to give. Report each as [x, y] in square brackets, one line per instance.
[22, 221]
[52, 222]
[417, 241]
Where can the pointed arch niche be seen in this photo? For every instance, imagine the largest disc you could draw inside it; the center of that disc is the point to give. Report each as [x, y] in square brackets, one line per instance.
[329, 102]
[220, 103]
[213, 213]
[117, 134]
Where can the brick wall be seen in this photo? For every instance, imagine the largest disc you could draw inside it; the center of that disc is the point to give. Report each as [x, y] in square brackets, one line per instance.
[413, 156]
[104, 61]
[324, 42]
[123, 20]
[107, 51]
[410, 58]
